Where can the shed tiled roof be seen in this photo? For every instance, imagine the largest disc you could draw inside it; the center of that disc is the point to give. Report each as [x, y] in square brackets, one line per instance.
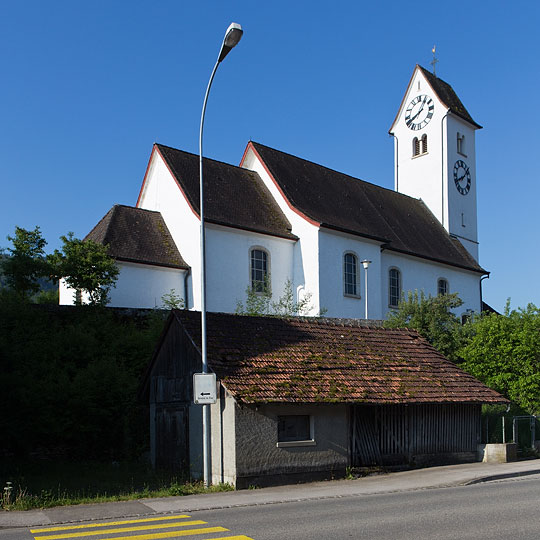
[137, 235]
[234, 197]
[448, 96]
[342, 202]
[268, 359]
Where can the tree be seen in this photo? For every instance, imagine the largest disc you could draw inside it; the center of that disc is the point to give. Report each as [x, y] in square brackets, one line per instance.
[260, 303]
[504, 353]
[26, 262]
[86, 267]
[432, 318]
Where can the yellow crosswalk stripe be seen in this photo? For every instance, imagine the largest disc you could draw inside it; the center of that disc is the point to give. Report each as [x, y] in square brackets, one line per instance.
[106, 524]
[120, 530]
[173, 534]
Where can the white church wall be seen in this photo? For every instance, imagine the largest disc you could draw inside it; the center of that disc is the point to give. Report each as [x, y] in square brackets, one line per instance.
[228, 265]
[461, 209]
[416, 175]
[161, 193]
[137, 286]
[332, 247]
[419, 275]
[143, 286]
[306, 251]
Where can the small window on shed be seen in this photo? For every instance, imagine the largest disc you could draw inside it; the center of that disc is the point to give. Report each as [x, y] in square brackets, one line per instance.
[294, 428]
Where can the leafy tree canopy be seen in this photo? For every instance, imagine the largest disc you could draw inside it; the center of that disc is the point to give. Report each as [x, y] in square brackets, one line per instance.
[26, 262]
[431, 317]
[504, 353]
[86, 267]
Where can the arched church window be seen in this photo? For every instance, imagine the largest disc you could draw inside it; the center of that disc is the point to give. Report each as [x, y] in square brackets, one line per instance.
[259, 270]
[394, 287]
[442, 287]
[416, 147]
[350, 274]
[424, 144]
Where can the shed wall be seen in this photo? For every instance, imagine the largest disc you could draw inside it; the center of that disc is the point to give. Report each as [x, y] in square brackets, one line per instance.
[259, 461]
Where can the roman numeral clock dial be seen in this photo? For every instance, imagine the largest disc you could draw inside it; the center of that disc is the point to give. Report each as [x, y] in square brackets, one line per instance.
[462, 177]
[419, 112]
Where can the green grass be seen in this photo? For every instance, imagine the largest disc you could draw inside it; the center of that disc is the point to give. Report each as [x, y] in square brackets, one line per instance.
[44, 484]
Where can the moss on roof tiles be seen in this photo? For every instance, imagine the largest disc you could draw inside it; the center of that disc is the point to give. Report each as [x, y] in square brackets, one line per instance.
[278, 360]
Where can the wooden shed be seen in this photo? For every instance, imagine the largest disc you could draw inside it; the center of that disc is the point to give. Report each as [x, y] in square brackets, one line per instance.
[305, 398]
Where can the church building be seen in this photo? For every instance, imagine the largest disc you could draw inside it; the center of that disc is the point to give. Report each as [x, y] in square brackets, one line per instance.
[276, 219]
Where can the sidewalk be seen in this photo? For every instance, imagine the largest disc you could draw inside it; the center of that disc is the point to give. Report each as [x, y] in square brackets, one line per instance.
[451, 475]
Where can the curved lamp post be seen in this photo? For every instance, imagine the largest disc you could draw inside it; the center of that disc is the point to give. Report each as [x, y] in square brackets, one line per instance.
[232, 37]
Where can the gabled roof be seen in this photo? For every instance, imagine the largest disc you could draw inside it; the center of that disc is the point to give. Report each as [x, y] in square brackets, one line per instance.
[447, 95]
[137, 235]
[341, 202]
[309, 360]
[234, 197]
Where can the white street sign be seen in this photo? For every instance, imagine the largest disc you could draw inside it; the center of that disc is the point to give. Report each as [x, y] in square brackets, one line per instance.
[204, 388]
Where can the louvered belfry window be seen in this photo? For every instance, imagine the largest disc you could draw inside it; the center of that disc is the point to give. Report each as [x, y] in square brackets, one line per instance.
[416, 147]
[424, 144]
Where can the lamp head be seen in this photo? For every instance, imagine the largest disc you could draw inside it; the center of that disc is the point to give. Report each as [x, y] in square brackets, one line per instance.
[232, 36]
[366, 263]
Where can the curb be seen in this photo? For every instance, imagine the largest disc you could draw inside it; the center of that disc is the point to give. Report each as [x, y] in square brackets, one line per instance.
[495, 477]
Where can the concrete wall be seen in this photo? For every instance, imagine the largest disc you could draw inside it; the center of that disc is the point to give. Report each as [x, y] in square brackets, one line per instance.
[259, 460]
[223, 447]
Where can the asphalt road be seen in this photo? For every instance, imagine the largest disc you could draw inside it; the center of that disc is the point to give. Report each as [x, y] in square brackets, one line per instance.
[505, 509]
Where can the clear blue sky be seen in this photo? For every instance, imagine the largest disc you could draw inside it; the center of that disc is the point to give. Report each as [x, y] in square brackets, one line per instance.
[88, 87]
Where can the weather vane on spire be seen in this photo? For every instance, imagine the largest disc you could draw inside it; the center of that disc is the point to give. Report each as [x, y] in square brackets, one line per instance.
[435, 60]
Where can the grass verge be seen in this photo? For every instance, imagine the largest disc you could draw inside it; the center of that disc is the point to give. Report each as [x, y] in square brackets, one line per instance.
[36, 485]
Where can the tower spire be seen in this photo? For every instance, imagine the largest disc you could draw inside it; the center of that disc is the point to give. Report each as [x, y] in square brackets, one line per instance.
[435, 60]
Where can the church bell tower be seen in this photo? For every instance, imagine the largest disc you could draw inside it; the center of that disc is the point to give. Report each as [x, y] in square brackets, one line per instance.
[435, 154]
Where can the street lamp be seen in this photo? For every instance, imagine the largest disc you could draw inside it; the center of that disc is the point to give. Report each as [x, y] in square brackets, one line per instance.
[365, 264]
[232, 37]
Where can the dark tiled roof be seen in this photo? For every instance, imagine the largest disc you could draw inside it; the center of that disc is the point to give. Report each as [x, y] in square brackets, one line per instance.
[137, 235]
[234, 197]
[267, 359]
[448, 96]
[345, 203]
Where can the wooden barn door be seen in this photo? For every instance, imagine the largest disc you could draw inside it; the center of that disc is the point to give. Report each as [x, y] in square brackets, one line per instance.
[172, 440]
[365, 451]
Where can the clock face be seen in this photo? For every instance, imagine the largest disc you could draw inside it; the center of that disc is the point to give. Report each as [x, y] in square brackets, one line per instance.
[419, 112]
[462, 177]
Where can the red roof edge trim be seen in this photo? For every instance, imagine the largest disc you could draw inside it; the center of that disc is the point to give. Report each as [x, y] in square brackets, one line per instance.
[289, 204]
[156, 150]
[145, 176]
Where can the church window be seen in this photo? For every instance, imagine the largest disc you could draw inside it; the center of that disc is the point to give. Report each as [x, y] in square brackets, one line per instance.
[461, 143]
[419, 146]
[424, 144]
[350, 274]
[442, 287]
[259, 266]
[416, 147]
[394, 287]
